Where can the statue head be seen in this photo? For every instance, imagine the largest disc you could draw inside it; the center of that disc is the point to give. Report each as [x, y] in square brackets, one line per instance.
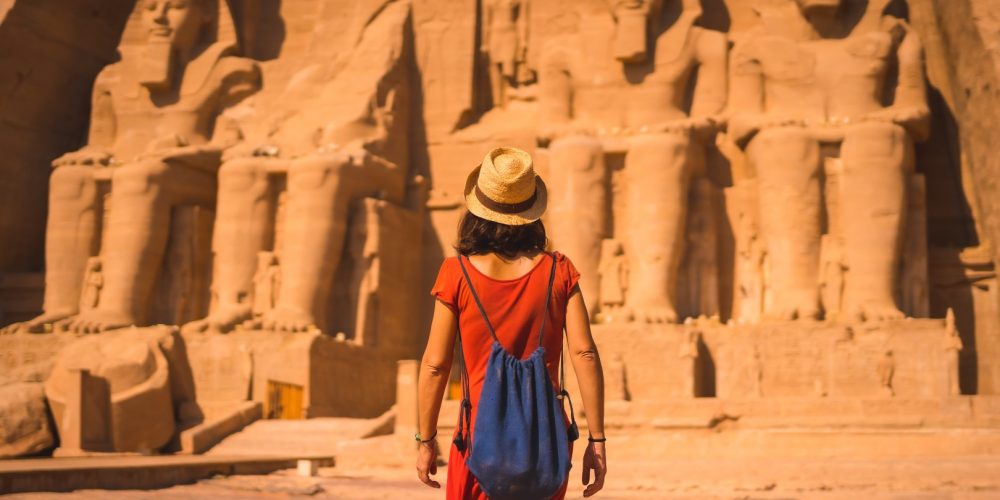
[180, 23]
[632, 28]
[174, 28]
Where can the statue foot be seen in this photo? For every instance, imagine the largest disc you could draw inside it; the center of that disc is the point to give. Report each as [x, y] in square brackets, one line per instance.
[662, 313]
[221, 321]
[96, 321]
[874, 310]
[803, 307]
[39, 324]
[287, 319]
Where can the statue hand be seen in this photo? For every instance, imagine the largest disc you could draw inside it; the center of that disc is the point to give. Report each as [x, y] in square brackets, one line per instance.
[693, 125]
[551, 132]
[902, 116]
[205, 156]
[742, 127]
[86, 156]
[249, 150]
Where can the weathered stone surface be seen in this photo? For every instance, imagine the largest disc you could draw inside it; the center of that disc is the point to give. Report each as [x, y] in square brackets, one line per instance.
[24, 420]
[774, 200]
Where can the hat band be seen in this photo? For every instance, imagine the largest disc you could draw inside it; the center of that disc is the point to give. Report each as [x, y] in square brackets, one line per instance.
[505, 208]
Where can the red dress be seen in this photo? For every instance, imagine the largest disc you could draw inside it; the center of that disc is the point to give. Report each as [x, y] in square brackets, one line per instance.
[515, 307]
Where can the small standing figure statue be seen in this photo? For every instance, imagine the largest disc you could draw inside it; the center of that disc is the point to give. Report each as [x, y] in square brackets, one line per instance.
[886, 369]
[613, 274]
[93, 281]
[265, 283]
[952, 347]
[505, 46]
[688, 354]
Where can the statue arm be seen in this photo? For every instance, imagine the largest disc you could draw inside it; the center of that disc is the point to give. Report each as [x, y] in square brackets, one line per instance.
[710, 90]
[556, 95]
[746, 94]
[103, 127]
[522, 30]
[102, 116]
[911, 87]
[239, 78]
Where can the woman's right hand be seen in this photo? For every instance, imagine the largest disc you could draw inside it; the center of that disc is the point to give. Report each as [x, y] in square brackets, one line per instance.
[596, 459]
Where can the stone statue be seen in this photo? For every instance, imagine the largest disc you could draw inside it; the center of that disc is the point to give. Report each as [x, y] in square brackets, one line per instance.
[952, 344]
[804, 83]
[151, 134]
[93, 281]
[346, 140]
[505, 46]
[614, 278]
[688, 354]
[266, 282]
[589, 107]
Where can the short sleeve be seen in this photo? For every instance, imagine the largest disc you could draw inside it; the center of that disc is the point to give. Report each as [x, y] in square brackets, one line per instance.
[567, 274]
[445, 286]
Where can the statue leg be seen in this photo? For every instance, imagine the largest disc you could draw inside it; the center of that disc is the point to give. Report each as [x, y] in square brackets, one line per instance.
[657, 173]
[142, 196]
[787, 162]
[71, 237]
[877, 159]
[320, 191]
[578, 187]
[244, 226]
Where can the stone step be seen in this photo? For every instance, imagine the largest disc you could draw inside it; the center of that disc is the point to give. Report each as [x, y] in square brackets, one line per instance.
[312, 437]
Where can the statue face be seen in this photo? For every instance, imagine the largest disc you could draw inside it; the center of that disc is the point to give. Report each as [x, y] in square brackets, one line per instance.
[175, 21]
[819, 5]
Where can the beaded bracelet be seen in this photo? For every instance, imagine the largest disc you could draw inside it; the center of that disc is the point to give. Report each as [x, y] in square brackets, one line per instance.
[425, 441]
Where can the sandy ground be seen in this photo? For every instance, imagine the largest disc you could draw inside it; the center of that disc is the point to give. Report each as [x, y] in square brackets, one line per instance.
[925, 478]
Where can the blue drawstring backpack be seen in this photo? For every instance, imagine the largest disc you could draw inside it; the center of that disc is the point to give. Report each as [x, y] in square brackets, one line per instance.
[521, 445]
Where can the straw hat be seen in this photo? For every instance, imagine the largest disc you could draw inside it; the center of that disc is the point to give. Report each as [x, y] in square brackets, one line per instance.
[505, 188]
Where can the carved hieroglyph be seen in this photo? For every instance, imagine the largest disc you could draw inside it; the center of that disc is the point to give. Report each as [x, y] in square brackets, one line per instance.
[807, 85]
[152, 135]
[345, 139]
[591, 105]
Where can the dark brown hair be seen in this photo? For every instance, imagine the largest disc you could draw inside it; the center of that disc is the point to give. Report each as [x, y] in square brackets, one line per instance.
[477, 236]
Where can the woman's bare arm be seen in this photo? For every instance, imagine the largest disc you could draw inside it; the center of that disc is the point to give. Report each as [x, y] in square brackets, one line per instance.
[435, 367]
[582, 351]
[586, 362]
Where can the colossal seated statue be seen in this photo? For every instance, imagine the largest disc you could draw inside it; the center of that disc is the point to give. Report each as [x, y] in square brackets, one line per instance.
[807, 86]
[290, 189]
[592, 106]
[151, 136]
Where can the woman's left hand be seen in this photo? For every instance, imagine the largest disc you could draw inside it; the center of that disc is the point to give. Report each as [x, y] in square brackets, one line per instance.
[427, 454]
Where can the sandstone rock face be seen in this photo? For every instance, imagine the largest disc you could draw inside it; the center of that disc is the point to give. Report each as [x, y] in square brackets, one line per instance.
[776, 192]
[24, 420]
[52, 51]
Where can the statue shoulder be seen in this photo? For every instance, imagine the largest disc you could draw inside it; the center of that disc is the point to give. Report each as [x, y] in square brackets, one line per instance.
[235, 71]
[109, 75]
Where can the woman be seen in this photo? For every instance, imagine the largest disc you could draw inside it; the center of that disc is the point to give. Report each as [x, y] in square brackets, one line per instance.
[501, 245]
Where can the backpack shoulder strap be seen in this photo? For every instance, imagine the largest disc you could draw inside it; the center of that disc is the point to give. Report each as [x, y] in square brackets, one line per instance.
[548, 299]
[475, 296]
